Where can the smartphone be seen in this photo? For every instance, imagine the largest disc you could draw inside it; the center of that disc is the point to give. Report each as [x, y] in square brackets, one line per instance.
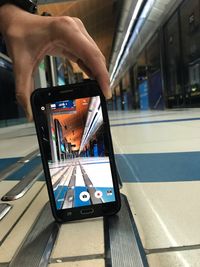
[75, 143]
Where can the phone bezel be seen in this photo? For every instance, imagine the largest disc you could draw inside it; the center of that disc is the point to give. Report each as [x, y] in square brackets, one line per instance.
[53, 94]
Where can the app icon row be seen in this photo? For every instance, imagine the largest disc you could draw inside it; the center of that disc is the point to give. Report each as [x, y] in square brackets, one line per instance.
[85, 196]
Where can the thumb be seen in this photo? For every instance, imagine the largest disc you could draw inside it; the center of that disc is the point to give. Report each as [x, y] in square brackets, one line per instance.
[24, 84]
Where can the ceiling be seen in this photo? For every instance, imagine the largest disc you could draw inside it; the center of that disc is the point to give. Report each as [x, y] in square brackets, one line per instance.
[99, 18]
[73, 124]
[153, 16]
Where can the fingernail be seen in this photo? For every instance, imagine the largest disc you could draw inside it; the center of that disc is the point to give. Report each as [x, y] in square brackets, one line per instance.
[108, 96]
[29, 117]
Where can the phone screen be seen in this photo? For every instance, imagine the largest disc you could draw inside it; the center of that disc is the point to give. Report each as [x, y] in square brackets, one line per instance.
[78, 161]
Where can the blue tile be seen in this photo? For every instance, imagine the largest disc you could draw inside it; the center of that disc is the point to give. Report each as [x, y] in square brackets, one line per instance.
[4, 163]
[154, 122]
[159, 167]
[24, 170]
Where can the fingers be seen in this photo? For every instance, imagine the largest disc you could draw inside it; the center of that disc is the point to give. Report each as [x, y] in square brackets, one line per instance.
[84, 31]
[94, 64]
[92, 61]
[103, 80]
[64, 37]
[24, 87]
[78, 43]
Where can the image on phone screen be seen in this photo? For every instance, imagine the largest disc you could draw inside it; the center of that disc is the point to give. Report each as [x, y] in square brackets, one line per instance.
[78, 161]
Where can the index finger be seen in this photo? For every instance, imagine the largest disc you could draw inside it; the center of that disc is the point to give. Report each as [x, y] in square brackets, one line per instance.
[102, 78]
[89, 57]
[93, 60]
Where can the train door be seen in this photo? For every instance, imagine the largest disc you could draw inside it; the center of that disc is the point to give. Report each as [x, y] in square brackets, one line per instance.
[156, 100]
[194, 76]
[156, 96]
[117, 98]
[143, 86]
[134, 86]
[144, 95]
[173, 62]
[127, 92]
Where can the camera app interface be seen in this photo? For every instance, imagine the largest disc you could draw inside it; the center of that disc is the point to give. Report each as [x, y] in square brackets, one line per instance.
[78, 158]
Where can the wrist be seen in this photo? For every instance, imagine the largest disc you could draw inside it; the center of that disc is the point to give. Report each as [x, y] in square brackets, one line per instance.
[7, 14]
[13, 19]
[27, 5]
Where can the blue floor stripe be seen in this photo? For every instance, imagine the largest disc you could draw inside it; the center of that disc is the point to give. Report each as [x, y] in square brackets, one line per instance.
[59, 195]
[4, 163]
[27, 168]
[154, 122]
[142, 116]
[159, 167]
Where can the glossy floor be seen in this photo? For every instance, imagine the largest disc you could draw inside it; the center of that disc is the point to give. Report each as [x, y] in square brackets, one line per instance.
[157, 155]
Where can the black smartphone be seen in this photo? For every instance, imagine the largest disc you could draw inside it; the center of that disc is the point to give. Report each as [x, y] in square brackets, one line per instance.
[75, 142]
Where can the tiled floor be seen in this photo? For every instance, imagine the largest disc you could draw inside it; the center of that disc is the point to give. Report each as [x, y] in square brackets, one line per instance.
[157, 155]
[158, 160]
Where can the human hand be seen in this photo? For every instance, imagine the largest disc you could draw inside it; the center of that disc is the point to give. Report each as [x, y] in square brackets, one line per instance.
[30, 37]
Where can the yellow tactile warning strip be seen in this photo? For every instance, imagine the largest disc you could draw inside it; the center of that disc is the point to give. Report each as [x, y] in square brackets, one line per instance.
[17, 235]
[88, 263]
[19, 206]
[80, 239]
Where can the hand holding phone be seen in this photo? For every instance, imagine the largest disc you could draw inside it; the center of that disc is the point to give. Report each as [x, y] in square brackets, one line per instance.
[76, 149]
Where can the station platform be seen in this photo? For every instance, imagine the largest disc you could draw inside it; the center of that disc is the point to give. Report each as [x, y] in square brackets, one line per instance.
[157, 156]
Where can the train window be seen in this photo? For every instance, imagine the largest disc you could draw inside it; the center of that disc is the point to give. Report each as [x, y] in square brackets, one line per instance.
[135, 86]
[142, 66]
[8, 106]
[10, 112]
[156, 98]
[153, 54]
[190, 28]
[173, 56]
